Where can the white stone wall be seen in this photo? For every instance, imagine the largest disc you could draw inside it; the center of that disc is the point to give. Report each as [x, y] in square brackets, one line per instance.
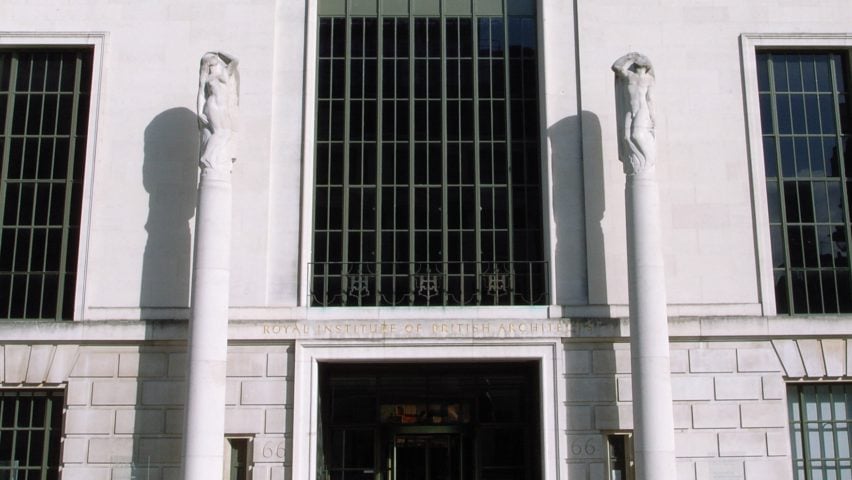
[125, 405]
[703, 165]
[142, 160]
[730, 410]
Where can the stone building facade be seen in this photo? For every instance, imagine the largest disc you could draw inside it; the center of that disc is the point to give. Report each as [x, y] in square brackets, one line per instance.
[501, 346]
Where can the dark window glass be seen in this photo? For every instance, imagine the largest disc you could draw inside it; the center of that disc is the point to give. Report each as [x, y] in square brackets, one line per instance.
[458, 102]
[44, 123]
[803, 110]
[30, 433]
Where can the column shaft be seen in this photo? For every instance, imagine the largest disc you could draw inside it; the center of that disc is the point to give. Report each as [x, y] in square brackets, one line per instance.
[649, 338]
[208, 332]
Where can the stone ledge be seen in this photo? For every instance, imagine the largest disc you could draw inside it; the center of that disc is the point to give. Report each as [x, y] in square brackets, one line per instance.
[408, 327]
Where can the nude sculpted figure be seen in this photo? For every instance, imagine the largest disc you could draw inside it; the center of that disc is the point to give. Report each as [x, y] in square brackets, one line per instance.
[218, 103]
[634, 87]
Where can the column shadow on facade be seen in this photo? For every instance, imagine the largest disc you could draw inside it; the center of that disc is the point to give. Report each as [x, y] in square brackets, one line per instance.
[578, 207]
[593, 171]
[597, 383]
[157, 427]
[170, 176]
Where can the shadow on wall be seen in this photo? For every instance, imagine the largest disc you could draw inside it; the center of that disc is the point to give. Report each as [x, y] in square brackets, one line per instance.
[578, 206]
[170, 176]
[595, 207]
[597, 399]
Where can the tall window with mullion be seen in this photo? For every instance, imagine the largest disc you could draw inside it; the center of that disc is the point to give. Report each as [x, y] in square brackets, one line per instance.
[806, 116]
[820, 422]
[44, 99]
[427, 178]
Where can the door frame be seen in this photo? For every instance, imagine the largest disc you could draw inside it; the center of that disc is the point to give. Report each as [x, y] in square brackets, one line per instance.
[548, 354]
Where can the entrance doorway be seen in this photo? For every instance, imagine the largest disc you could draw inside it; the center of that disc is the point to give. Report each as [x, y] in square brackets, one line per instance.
[429, 422]
[429, 456]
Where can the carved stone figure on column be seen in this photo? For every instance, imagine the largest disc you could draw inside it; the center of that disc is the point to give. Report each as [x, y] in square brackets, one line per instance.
[634, 94]
[218, 105]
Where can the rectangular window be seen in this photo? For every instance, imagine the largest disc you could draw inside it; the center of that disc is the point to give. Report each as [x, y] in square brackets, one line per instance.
[30, 433]
[427, 183]
[44, 100]
[805, 116]
[619, 446]
[820, 420]
[236, 458]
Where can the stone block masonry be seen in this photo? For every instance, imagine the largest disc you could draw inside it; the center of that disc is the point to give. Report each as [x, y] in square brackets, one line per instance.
[729, 407]
[124, 405]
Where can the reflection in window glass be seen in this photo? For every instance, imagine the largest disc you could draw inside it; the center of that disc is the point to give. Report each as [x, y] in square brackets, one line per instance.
[820, 421]
[804, 119]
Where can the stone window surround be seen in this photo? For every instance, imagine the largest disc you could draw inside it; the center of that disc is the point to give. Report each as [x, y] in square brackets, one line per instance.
[97, 40]
[549, 355]
[749, 44]
[309, 135]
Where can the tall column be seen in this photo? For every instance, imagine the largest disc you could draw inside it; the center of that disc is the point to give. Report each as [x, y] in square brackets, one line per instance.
[204, 430]
[649, 335]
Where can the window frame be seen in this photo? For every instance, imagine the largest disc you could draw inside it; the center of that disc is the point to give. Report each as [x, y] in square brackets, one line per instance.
[796, 396]
[537, 184]
[97, 41]
[750, 44]
[56, 403]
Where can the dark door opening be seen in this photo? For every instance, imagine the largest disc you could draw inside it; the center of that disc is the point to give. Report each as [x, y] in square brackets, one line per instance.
[429, 422]
[429, 456]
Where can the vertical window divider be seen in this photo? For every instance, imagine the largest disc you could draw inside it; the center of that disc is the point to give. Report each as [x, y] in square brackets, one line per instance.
[412, 237]
[474, 24]
[788, 271]
[507, 105]
[69, 187]
[843, 174]
[379, 227]
[6, 159]
[803, 429]
[347, 146]
[48, 425]
[445, 208]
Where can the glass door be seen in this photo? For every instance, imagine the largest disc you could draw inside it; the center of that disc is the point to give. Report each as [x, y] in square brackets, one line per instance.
[429, 456]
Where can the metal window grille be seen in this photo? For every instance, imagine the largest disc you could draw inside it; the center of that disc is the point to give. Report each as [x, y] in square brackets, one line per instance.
[820, 422]
[427, 187]
[806, 115]
[30, 433]
[44, 99]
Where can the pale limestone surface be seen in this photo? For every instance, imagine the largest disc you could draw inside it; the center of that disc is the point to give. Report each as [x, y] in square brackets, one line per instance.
[708, 227]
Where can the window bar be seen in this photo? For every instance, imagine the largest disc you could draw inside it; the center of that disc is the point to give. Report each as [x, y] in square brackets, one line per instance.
[843, 174]
[445, 240]
[806, 135]
[412, 60]
[378, 259]
[26, 224]
[347, 146]
[14, 452]
[35, 275]
[788, 272]
[833, 425]
[804, 432]
[4, 164]
[820, 424]
[474, 26]
[510, 221]
[69, 188]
